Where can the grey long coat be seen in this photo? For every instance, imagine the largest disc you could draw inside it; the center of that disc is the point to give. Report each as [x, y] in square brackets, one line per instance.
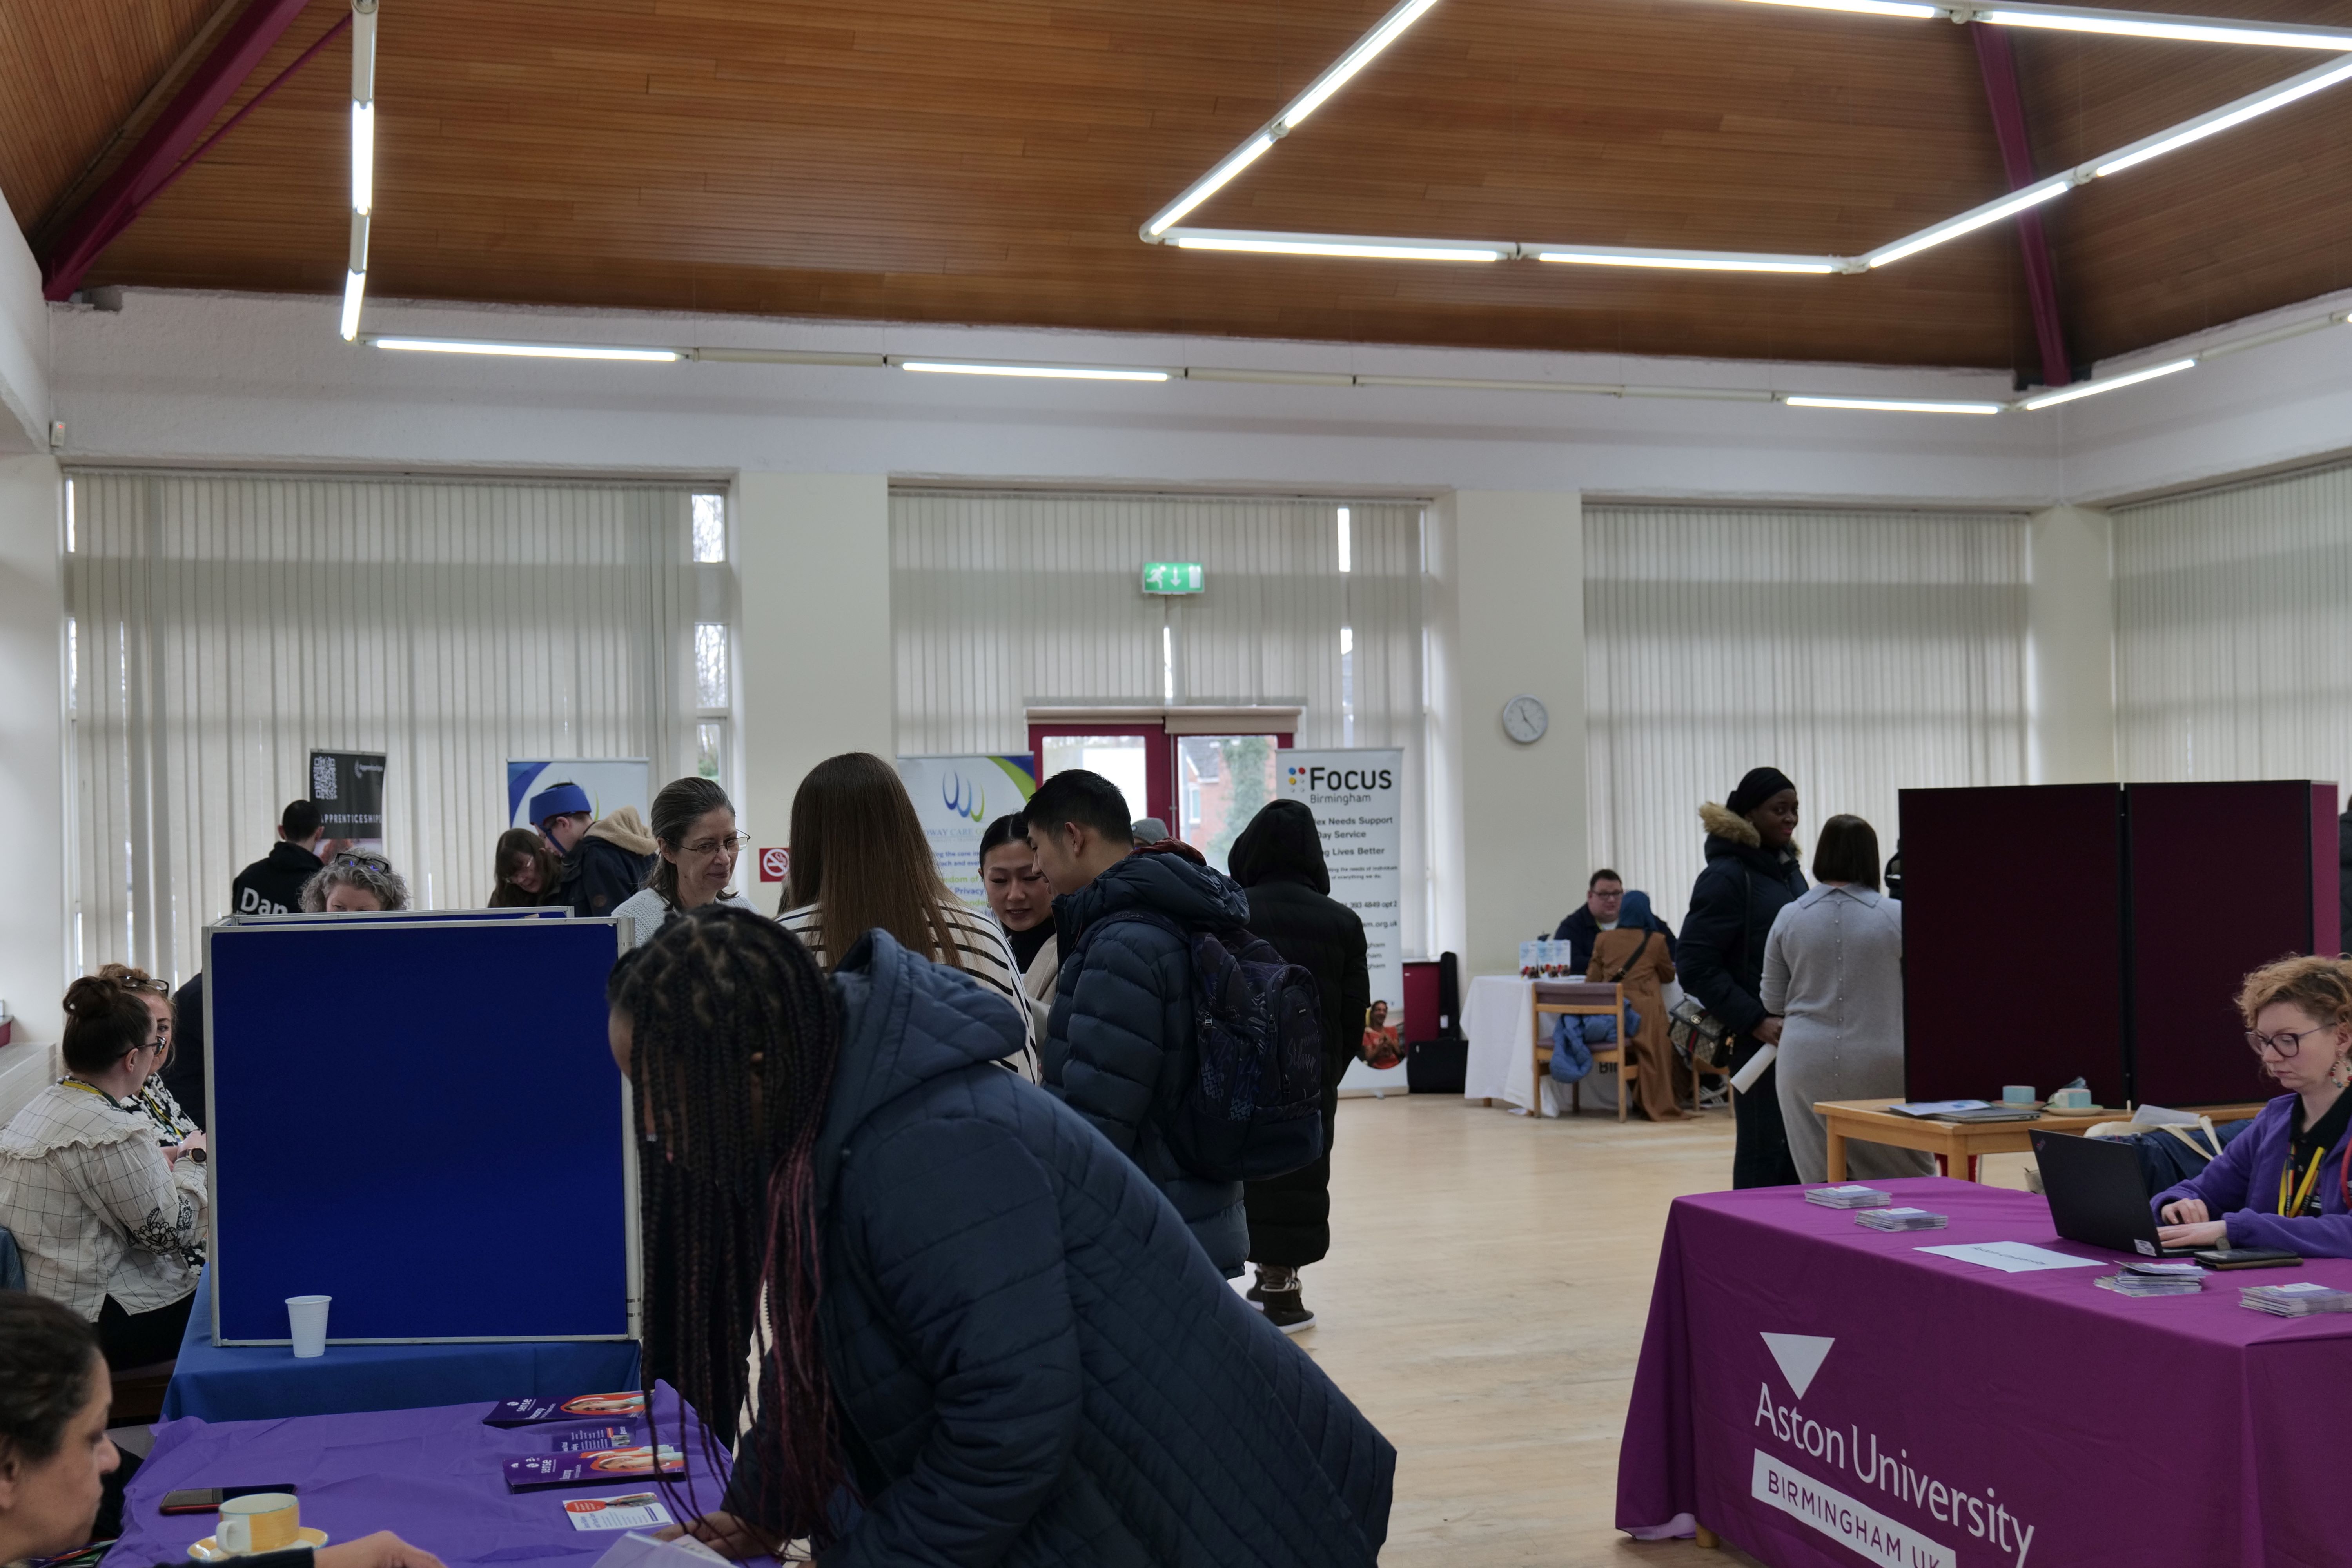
[1833, 971]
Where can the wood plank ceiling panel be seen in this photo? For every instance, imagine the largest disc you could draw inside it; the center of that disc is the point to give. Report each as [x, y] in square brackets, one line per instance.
[931, 159]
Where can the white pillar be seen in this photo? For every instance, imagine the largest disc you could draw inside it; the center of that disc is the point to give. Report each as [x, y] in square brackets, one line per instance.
[35, 929]
[2071, 648]
[813, 559]
[1508, 818]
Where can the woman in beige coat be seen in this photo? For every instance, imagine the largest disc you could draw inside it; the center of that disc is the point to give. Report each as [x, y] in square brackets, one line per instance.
[1634, 955]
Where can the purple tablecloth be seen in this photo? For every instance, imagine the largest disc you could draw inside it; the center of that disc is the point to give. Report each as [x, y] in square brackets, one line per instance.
[1814, 1392]
[430, 1475]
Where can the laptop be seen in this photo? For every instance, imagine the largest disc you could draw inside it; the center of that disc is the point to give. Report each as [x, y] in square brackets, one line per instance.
[2097, 1195]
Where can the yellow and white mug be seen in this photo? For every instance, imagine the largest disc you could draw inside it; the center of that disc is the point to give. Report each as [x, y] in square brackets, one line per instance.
[262, 1522]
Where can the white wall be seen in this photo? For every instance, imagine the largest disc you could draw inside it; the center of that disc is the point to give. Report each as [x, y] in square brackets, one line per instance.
[33, 934]
[2070, 611]
[23, 347]
[813, 558]
[1508, 573]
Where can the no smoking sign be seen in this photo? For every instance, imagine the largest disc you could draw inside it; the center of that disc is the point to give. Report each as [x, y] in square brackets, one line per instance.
[775, 865]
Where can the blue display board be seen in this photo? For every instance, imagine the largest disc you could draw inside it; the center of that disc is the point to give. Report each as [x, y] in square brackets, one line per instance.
[420, 1119]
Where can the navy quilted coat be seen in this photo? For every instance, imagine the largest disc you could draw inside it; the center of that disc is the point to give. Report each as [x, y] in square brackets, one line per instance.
[1035, 1363]
[1118, 1046]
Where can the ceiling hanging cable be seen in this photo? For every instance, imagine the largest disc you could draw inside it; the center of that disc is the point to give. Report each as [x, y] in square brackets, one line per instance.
[363, 160]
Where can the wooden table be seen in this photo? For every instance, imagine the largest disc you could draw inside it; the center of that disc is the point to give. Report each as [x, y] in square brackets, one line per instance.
[1957, 1145]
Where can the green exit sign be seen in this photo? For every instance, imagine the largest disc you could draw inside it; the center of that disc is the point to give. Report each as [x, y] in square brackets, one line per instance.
[1171, 576]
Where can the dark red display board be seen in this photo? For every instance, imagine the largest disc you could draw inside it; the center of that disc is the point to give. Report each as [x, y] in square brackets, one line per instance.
[2225, 878]
[2058, 931]
[2012, 939]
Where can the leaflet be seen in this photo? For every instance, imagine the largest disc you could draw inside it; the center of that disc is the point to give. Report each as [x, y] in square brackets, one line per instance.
[588, 1406]
[600, 1468]
[593, 1439]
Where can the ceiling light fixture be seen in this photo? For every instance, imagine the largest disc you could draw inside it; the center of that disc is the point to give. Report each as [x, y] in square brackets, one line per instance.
[1383, 33]
[526, 350]
[1970, 221]
[1044, 372]
[2230, 114]
[1865, 7]
[1253, 242]
[2106, 383]
[1693, 260]
[1889, 404]
[362, 162]
[2183, 29]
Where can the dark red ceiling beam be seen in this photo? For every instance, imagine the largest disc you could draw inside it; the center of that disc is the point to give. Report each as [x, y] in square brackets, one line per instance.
[152, 163]
[2000, 70]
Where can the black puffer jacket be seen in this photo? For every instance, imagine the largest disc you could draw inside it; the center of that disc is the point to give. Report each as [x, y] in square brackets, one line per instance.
[1037, 1365]
[1118, 1045]
[1721, 955]
[1278, 860]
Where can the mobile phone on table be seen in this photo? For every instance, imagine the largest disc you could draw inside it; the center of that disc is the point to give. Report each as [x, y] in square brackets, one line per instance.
[208, 1500]
[2247, 1258]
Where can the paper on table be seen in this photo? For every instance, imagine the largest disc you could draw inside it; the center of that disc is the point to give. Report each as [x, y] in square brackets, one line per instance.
[2010, 1256]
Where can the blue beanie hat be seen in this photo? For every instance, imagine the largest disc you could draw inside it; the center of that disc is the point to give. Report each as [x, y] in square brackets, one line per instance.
[558, 800]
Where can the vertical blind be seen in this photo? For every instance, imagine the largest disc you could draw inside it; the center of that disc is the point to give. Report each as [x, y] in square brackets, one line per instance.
[2233, 633]
[1861, 654]
[225, 625]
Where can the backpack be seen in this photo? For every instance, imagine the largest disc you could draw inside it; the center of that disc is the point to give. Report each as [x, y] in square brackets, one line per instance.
[1254, 1108]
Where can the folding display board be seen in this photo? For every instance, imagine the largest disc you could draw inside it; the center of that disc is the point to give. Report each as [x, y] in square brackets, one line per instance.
[531, 912]
[2012, 939]
[2058, 931]
[420, 1118]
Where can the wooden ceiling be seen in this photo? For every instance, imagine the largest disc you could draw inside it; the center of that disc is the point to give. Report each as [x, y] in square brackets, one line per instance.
[938, 159]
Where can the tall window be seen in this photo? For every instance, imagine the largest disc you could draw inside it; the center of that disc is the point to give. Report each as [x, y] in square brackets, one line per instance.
[226, 625]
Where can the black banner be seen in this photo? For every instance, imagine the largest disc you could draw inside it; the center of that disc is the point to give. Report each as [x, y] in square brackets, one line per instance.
[348, 789]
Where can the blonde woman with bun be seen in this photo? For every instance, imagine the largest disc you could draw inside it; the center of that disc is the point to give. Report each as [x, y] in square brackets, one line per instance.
[2284, 1182]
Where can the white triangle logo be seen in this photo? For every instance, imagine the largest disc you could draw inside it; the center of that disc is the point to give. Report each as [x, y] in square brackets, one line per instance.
[1800, 1357]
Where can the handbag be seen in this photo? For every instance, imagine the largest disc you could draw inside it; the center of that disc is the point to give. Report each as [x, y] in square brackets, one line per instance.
[1699, 1037]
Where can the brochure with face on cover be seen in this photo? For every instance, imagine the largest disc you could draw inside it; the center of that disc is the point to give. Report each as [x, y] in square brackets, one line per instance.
[579, 1407]
[600, 1468]
[593, 1439]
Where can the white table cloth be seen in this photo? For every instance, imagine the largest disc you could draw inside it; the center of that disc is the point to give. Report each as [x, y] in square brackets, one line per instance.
[1498, 1020]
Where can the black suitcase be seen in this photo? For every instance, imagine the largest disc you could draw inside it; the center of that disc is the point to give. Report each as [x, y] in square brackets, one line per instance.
[1441, 1065]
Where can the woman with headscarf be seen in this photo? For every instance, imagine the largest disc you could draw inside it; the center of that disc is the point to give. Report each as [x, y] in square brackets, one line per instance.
[1751, 871]
[1633, 954]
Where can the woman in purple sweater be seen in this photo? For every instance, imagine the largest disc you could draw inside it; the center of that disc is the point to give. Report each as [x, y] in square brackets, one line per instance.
[2284, 1183]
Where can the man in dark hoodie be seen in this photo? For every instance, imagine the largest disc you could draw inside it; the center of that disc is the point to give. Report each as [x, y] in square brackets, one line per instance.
[1119, 1044]
[604, 861]
[1751, 871]
[1278, 860]
[273, 884]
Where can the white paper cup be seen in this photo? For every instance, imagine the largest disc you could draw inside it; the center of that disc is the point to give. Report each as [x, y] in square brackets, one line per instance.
[308, 1315]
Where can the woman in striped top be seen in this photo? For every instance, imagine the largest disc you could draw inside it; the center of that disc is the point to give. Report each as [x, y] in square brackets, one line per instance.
[860, 860]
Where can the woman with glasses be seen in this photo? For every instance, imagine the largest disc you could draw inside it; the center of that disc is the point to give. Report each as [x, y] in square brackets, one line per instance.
[695, 846]
[176, 1129]
[108, 1222]
[2283, 1182]
[526, 873]
[354, 881]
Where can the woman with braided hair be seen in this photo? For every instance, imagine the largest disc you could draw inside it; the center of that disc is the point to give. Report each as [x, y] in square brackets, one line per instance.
[982, 1334]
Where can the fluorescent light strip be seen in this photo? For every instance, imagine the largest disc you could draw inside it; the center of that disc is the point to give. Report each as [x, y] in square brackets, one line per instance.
[524, 350]
[1338, 245]
[1693, 261]
[1210, 184]
[2222, 119]
[1044, 372]
[2110, 383]
[1890, 405]
[363, 157]
[354, 291]
[1367, 48]
[2188, 30]
[1972, 220]
[1865, 7]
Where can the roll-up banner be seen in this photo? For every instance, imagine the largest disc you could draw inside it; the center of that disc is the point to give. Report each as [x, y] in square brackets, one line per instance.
[955, 800]
[348, 789]
[611, 782]
[1358, 798]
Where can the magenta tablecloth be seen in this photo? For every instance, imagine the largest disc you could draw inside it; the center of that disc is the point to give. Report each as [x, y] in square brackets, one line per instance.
[430, 1475]
[1928, 1412]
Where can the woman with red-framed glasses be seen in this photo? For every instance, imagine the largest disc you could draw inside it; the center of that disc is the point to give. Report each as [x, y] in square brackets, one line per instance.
[2283, 1182]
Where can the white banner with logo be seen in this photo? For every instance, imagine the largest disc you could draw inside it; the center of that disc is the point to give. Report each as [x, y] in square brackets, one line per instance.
[1358, 798]
[955, 800]
[611, 782]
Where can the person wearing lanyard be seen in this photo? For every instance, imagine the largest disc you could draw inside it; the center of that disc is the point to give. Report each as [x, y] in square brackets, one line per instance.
[2284, 1183]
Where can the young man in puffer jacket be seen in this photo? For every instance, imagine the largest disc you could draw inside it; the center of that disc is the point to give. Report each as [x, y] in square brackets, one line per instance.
[604, 862]
[1119, 1048]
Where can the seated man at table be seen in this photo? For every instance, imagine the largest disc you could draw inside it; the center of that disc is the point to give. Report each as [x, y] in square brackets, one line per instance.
[1604, 899]
[2282, 1183]
[54, 1456]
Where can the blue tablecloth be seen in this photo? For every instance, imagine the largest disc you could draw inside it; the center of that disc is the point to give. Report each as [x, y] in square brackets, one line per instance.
[258, 1382]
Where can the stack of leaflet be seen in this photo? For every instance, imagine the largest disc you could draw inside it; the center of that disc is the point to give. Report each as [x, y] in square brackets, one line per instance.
[1852, 1196]
[1901, 1219]
[2156, 1279]
[2300, 1300]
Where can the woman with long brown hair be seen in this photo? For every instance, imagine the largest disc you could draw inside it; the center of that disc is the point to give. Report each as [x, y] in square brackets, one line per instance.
[860, 862]
[987, 1329]
[526, 871]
